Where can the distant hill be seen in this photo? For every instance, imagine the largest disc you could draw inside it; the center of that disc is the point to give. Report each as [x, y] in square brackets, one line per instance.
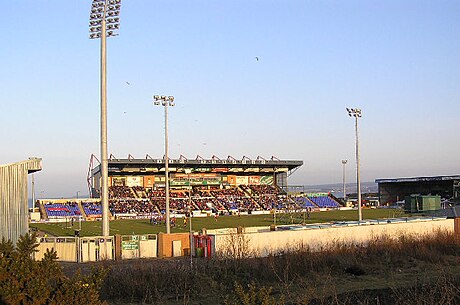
[335, 188]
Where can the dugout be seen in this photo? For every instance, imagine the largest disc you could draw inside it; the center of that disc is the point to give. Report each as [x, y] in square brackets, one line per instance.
[396, 189]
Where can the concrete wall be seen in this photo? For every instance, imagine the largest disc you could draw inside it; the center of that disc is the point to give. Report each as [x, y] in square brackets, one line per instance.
[66, 248]
[77, 249]
[457, 227]
[264, 243]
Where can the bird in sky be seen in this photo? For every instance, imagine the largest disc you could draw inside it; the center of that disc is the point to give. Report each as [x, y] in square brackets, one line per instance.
[257, 58]
[128, 83]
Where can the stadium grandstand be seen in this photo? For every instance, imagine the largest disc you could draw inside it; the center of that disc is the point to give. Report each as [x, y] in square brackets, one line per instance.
[214, 186]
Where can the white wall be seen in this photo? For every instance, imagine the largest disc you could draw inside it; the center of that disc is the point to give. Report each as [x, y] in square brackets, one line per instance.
[265, 242]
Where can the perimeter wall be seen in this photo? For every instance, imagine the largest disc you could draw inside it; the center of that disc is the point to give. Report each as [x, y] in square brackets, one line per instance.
[266, 242]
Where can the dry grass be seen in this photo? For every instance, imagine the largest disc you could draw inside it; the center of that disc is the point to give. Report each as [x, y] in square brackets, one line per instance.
[402, 269]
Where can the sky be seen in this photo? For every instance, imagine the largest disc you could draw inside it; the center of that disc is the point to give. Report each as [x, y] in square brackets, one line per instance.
[399, 61]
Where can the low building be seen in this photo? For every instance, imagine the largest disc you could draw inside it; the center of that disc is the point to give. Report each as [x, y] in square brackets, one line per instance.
[396, 189]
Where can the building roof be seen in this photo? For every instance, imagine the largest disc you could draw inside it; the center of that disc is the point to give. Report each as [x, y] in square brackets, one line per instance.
[148, 164]
[32, 165]
[418, 179]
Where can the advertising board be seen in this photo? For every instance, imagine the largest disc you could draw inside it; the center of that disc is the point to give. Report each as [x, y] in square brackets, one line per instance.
[149, 181]
[134, 181]
[241, 180]
[254, 180]
[266, 180]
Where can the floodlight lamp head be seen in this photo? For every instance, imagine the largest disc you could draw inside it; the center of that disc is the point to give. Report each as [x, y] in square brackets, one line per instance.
[156, 103]
[94, 36]
[171, 98]
[156, 97]
[171, 103]
[163, 97]
[344, 161]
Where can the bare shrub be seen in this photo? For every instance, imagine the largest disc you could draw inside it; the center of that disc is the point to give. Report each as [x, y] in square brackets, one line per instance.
[300, 274]
[442, 290]
[252, 296]
[236, 246]
[150, 281]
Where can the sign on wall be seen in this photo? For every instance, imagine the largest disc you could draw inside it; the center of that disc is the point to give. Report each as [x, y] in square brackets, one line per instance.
[129, 245]
[134, 181]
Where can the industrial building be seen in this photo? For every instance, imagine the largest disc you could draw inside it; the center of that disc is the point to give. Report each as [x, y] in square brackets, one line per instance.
[396, 189]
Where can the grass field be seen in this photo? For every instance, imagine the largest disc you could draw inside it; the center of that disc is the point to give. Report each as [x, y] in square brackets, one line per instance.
[126, 227]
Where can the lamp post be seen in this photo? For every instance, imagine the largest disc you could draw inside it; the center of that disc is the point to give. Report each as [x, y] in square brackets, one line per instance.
[356, 113]
[188, 171]
[103, 22]
[33, 192]
[344, 163]
[165, 101]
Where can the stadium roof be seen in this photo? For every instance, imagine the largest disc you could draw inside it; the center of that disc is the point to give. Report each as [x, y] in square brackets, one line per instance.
[419, 179]
[32, 165]
[216, 164]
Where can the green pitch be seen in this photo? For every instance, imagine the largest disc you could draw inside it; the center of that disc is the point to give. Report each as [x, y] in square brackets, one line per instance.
[127, 227]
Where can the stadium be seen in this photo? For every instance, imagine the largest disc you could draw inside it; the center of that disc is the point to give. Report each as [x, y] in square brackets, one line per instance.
[201, 186]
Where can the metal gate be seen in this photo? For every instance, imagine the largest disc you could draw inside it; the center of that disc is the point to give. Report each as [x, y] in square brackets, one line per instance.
[94, 249]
